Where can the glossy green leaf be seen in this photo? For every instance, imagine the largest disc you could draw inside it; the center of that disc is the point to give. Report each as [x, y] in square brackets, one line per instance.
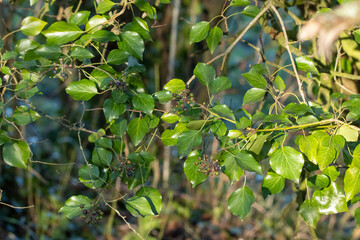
[103, 36]
[352, 182]
[140, 26]
[245, 160]
[8, 55]
[251, 11]
[72, 208]
[332, 172]
[133, 44]
[307, 119]
[23, 115]
[119, 127]
[119, 96]
[319, 181]
[95, 23]
[117, 57]
[223, 111]
[112, 110]
[309, 146]
[144, 102]
[101, 157]
[163, 96]
[356, 157]
[205, 73]
[296, 109]
[218, 127]
[230, 167]
[146, 202]
[143, 5]
[80, 18]
[170, 117]
[330, 200]
[287, 162]
[273, 183]
[199, 31]
[279, 83]
[237, 3]
[349, 133]
[137, 177]
[187, 141]
[141, 157]
[49, 51]
[169, 137]
[32, 26]
[104, 6]
[81, 54]
[304, 63]
[16, 154]
[253, 95]
[137, 130]
[175, 85]
[309, 212]
[219, 84]
[61, 32]
[82, 90]
[89, 175]
[214, 38]
[23, 45]
[255, 79]
[240, 201]
[192, 170]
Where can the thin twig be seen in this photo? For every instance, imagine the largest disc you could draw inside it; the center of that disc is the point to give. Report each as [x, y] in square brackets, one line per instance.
[8, 205]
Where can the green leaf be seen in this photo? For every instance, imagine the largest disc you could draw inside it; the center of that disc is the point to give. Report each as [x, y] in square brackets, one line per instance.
[251, 11]
[32, 2]
[144, 102]
[356, 157]
[330, 200]
[175, 85]
[104, 6]
[230, 167]
[141, 157]
[81, 54]
[273, 183]
[192, 170]
[199, 31]
[309, 146]
[16, 154]
[152, 121]
[72, 208]
[80, 18]
[61, 32]
[170, 117]
[309, 212]
[102, 36]
[23, 45]
[237, 3]
[119, 96]
[112, 109]
[352, 182]
[214, 38]
[119, 127]
[32, 26]
[319, 181]
[146, 7]
[8, 55]
[163, 96]
[82, 90]
[240, 202]
[205, 73]
[140, 26]
[23, 115]
[253, 95]
[187, 141]
[296, 109]
[169, 137]
[25, 89]
[89, 175]
[255, 79]
[219, 84]
[95, 23]
[357, 216]
[137, 130]
[219, 128]
[288, 163]
[245, 160]
[279, 83]
[133, 44]
[332, 172]
[146, 202]
[137, 177]
[101, 157]
[49, 51]
[350, 134]
[117, 57]
[223, 111]
[305, 64]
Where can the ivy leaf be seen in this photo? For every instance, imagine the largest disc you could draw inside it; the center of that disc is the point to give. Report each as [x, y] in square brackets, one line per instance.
[237, 3]
[219, 84]
[332, 172]
[352, 182]
[72, 208]
[240, 202]
[141, 157]
[140, 26]
[191, 170]
[356, 157]
[137, 129]
[319, 181]
[163, 96]
[89, 175]
[304, 63]
[146, 202]
[80, 18]
[330, 200]
[175, 85]
[187, 141]
[309, 146]
[32, 26]
[214, 38]
[325, 156]
[16, 154]
[112, 110]
[101, 157]
[133, 44]
[61, 32]
[251, 11]
[105, 6]
[287, 162]
[255, 79]
[205, 73]
[253, 95]
[23, 45]
[94, 23]
[199, 31]
[49, 51]
[23, 115]
[144, 102]
[350, 134]
[170, 117]
[146, 7]
[169, 137]
[219, 128]
[296, 109]
[309, 212]
[138, 177]
[118, 127]
[82, 90]
[245, 160]
[223, 111]
[81, 54]
[117, 57]
[273, 183]
[230, 167]
[279, 83]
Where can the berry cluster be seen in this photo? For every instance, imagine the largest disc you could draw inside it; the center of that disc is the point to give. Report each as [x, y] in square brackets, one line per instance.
[208, 166]
[126, 167]
[183, 100]
[118, 84]
[91, 215]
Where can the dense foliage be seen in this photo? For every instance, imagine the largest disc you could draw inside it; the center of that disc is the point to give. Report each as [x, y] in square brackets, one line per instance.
[304, 131]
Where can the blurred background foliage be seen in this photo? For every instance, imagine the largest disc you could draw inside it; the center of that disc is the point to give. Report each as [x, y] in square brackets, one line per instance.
[187, 213]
